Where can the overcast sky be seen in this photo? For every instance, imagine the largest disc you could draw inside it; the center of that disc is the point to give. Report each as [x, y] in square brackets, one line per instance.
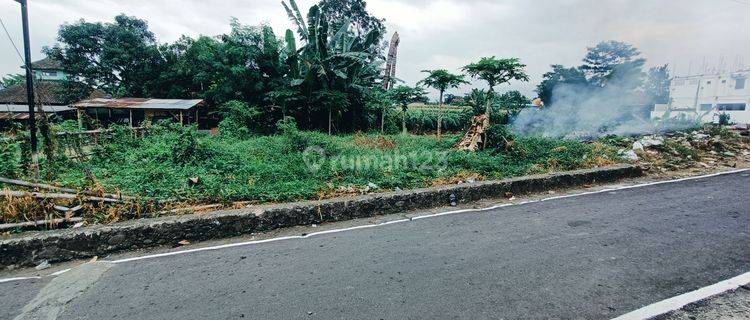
[446, 33]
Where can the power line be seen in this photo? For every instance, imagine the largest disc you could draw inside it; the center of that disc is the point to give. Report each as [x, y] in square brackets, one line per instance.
[18, 52]
[741, 2]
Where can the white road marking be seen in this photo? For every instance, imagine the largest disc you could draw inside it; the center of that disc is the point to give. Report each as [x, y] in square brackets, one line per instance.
[239, 244]
[57, 273]
[680, 301]
[232, 245]
[18, 279]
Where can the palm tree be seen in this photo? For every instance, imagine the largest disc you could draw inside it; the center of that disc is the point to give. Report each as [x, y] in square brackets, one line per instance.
[441, 80]
[404, 95]
[496, 72]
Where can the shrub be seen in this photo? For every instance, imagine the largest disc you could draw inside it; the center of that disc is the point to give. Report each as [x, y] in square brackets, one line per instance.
[724, 119]
[240, 120]
[10, 158]
[499, 136]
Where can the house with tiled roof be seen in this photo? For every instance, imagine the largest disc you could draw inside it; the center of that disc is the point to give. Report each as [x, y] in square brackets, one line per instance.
[49, 79]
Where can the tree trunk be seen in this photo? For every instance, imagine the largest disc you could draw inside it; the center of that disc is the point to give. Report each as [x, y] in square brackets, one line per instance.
[403, 121]
[329, 120]
[488, 108]
[487, 111]
[440, 116]
[382, 120]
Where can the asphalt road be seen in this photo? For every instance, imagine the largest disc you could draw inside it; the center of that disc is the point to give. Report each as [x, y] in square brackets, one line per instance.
[593, 256]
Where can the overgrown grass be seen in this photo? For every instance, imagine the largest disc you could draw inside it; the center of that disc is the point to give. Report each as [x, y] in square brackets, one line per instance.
[276, 168]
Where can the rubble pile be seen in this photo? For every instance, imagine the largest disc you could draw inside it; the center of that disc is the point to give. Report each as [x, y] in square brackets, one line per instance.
[710, 147]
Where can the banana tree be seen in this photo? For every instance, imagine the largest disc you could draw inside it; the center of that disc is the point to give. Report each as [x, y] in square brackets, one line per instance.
[333, 66]
[441, 80]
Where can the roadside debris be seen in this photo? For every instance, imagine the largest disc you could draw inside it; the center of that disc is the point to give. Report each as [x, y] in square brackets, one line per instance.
[44, 265]
[707, 148]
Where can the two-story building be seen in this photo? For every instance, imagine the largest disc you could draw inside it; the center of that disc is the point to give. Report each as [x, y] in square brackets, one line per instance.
[707, 96]
[49, 78]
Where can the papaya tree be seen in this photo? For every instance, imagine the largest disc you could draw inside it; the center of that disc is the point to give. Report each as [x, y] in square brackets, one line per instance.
[404, 95]
[496, 72]
[441, 80]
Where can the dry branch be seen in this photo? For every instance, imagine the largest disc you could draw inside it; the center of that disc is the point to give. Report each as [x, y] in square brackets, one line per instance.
[42, 186]
[67, 196]
[8, 226]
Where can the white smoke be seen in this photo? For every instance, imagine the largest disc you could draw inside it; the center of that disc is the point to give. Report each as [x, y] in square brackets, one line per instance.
[583, 112]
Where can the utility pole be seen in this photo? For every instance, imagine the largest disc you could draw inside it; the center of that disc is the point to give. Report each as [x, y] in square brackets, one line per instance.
[29, 83]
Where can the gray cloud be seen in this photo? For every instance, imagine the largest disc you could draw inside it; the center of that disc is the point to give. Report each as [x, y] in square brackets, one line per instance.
[448, 33]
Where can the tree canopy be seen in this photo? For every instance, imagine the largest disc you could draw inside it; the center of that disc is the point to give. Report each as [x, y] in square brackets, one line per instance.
[497, 71]
[612, 61]
[559, 75]
[610, 65]
[120, 58]
[442, 80]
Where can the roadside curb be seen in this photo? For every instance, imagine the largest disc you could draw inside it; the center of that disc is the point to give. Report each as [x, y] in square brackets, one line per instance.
[62, 245]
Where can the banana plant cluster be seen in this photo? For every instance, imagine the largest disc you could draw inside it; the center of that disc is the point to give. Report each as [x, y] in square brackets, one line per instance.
[333, 69]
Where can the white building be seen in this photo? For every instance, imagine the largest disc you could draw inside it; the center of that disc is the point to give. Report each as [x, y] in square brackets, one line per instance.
[707, 96]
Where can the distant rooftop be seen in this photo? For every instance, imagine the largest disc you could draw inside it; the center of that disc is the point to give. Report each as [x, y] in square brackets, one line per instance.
[140, 103]
[21, 111]
[46, 64]
[48, 92]
[715, 74]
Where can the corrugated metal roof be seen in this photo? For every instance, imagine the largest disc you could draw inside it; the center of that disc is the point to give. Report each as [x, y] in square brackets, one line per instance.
[140, 103]
[21, 111]
[22, 108]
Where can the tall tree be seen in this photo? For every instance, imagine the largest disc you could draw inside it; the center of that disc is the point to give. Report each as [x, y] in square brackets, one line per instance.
[613, 62]
[656, 87]
[355, 13]
[559, 76]
[120, 58]
[404, 95]
[496, 72]
[441, 80]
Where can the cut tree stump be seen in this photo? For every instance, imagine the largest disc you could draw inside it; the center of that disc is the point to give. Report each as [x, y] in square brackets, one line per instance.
[473, 138]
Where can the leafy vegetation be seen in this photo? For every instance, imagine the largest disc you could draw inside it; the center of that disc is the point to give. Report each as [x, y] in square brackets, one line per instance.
[274, 168]
[10, 158]
[11, 80]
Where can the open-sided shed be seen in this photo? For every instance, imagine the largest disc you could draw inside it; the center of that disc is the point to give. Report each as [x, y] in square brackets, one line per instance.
[20, 113]
[134, 111]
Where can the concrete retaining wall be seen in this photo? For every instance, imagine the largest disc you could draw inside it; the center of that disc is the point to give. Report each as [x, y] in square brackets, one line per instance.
[61, 245]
